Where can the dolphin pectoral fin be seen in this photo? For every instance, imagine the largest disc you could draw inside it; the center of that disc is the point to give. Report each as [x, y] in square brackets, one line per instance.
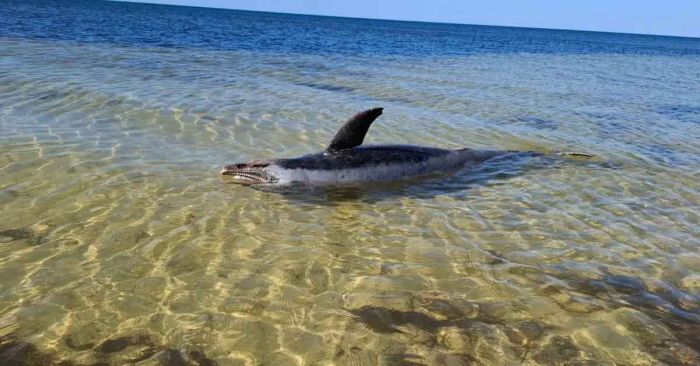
[353, 131]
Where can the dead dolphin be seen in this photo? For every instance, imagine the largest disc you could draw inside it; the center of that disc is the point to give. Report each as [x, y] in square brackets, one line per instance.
[346, 161]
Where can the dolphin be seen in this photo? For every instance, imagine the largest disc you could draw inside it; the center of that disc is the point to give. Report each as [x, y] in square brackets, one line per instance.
[346, 161]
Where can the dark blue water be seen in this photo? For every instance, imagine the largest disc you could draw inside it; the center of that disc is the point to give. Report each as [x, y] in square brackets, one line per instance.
[188, 27]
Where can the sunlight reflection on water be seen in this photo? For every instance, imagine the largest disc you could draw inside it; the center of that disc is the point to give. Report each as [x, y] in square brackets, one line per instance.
[120, 243]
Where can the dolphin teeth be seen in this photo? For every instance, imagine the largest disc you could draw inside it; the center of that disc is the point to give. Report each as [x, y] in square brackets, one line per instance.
[254, 177]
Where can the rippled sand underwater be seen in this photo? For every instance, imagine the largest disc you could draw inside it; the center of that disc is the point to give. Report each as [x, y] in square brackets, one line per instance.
[119, 242]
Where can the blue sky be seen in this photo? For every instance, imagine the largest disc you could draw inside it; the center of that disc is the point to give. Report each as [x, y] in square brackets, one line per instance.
[670, 17]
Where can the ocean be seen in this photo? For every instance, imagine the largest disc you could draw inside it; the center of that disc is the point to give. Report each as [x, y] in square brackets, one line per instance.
[121, 244]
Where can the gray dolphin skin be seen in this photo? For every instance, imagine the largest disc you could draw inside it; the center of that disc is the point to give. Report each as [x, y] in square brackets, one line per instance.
[346, 161]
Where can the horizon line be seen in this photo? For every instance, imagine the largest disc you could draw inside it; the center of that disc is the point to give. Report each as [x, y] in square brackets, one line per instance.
[405, 20]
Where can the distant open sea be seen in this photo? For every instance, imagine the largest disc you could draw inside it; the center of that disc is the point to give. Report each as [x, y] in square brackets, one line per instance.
[121, 244]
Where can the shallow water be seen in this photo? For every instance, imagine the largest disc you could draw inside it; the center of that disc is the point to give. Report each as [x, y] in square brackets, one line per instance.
[119, 242]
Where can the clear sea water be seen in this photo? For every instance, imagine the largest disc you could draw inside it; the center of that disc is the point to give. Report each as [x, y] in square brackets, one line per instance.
[120, 243]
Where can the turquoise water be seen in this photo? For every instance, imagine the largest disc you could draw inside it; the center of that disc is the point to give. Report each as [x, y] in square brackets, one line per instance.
[120, 243]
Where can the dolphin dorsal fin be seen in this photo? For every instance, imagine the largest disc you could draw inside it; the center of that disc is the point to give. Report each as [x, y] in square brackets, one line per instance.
[354, 130]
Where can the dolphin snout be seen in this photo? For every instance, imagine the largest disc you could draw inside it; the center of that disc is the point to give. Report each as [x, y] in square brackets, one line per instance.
[248, 173]
[228, 169]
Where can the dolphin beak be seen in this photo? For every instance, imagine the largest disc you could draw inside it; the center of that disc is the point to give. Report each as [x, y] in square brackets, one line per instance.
[248, 173]
[228, 170]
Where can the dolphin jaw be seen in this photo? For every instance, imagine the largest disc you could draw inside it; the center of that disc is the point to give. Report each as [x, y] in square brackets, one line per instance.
[249, 173]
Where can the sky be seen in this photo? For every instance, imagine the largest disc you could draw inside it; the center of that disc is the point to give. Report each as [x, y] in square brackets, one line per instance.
[667, 17]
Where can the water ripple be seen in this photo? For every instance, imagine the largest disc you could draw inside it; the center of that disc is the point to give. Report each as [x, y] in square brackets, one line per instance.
[120, 244]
